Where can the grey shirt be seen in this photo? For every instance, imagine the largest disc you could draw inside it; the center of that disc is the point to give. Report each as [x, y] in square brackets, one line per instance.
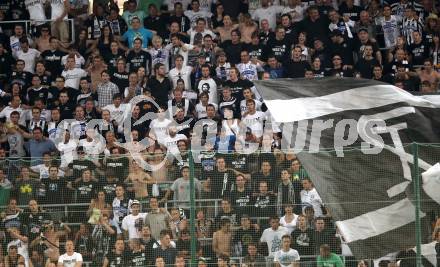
[181, 191]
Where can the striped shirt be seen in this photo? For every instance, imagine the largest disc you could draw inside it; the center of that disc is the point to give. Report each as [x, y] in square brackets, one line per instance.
[409, 26]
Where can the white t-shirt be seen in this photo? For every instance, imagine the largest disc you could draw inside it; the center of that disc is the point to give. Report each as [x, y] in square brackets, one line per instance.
[93, 149]
[160, 55]
[160, 129]
[79, 61]
[184, 73]
[133, 224]
[291, 225]
[210, 87]
[285, 259]
[312, 198]
[14, 43]
[43, 170]
[255, 122]
[183, 51]
[205, 5]
[29, 58]
[36, 10]
[296, 13]
[201, 110]
[170, 4]
[73, 77]
[269, 13]
[70, 261]
[157, 244]
[171, 143]
[248, 71]
[57, 9]
[243, 107]
[192, 33]
[193, 16]
[273, 238]
[68, 152]
[119, 114]
[6, 112]
[22, 249]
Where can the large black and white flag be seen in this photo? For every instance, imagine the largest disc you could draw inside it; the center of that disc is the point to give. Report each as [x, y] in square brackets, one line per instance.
[353, 135]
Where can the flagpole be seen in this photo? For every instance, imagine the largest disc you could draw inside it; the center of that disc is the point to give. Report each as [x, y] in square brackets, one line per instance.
[416, 182]
[192, 210]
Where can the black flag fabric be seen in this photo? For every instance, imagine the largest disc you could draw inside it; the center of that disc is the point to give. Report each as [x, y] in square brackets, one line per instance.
[351, 136]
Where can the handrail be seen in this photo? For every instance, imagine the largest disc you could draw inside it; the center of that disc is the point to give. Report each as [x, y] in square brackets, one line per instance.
[32, 22]
[87, 204]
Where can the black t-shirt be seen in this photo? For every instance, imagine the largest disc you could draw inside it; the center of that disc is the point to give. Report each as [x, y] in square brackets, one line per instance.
[32, 223]
[241, 201]
[246, 237]
[23, 78]
[6, 65]
[85, 191]
[221, 183]
[237, 87]
[55, 190]
[137, 60]
[117, 260]
[345, 50]
[138, 258]
[280, 48]
[365, 67]
[303, 241]
[233, 51]
[184, 22]
[169, 255]
[319, 73]
[233, 216]
[52, 61]
[207, 163]
[233, 104]
[160, 90]
[419, 52]
[35, 93]
[120, 79]
[263, 206]
[264, 37]
[78, 165]
[117, 166]
[46, 80]
[111, 59]
[340, 73]
[295, 69]
[109, 189]
[360, 47]
[158, 24]
[54, 94]
[238, 162]
[257, 51]
[353, 12]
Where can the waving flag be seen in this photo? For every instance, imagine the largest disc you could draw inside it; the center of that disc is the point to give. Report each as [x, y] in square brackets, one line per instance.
[353, 135]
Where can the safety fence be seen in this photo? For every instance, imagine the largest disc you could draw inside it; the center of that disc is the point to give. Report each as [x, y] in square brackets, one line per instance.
[238, 207]
[31, 26]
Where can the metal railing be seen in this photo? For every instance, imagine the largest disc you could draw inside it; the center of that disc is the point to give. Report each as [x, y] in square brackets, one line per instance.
[31, 24]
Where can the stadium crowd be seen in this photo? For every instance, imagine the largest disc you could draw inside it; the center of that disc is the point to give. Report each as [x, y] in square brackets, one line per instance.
[197, 59]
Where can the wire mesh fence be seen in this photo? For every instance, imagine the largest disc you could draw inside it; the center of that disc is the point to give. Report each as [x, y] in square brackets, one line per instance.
[260, 209]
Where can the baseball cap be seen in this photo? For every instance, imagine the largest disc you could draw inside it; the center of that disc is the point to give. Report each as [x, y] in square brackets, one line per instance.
[134, 202]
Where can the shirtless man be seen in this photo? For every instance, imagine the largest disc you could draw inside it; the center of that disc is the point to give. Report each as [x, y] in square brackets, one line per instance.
[140, 180]
[427, 73]
[42, 43]
[51, 239]
[221, 240]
